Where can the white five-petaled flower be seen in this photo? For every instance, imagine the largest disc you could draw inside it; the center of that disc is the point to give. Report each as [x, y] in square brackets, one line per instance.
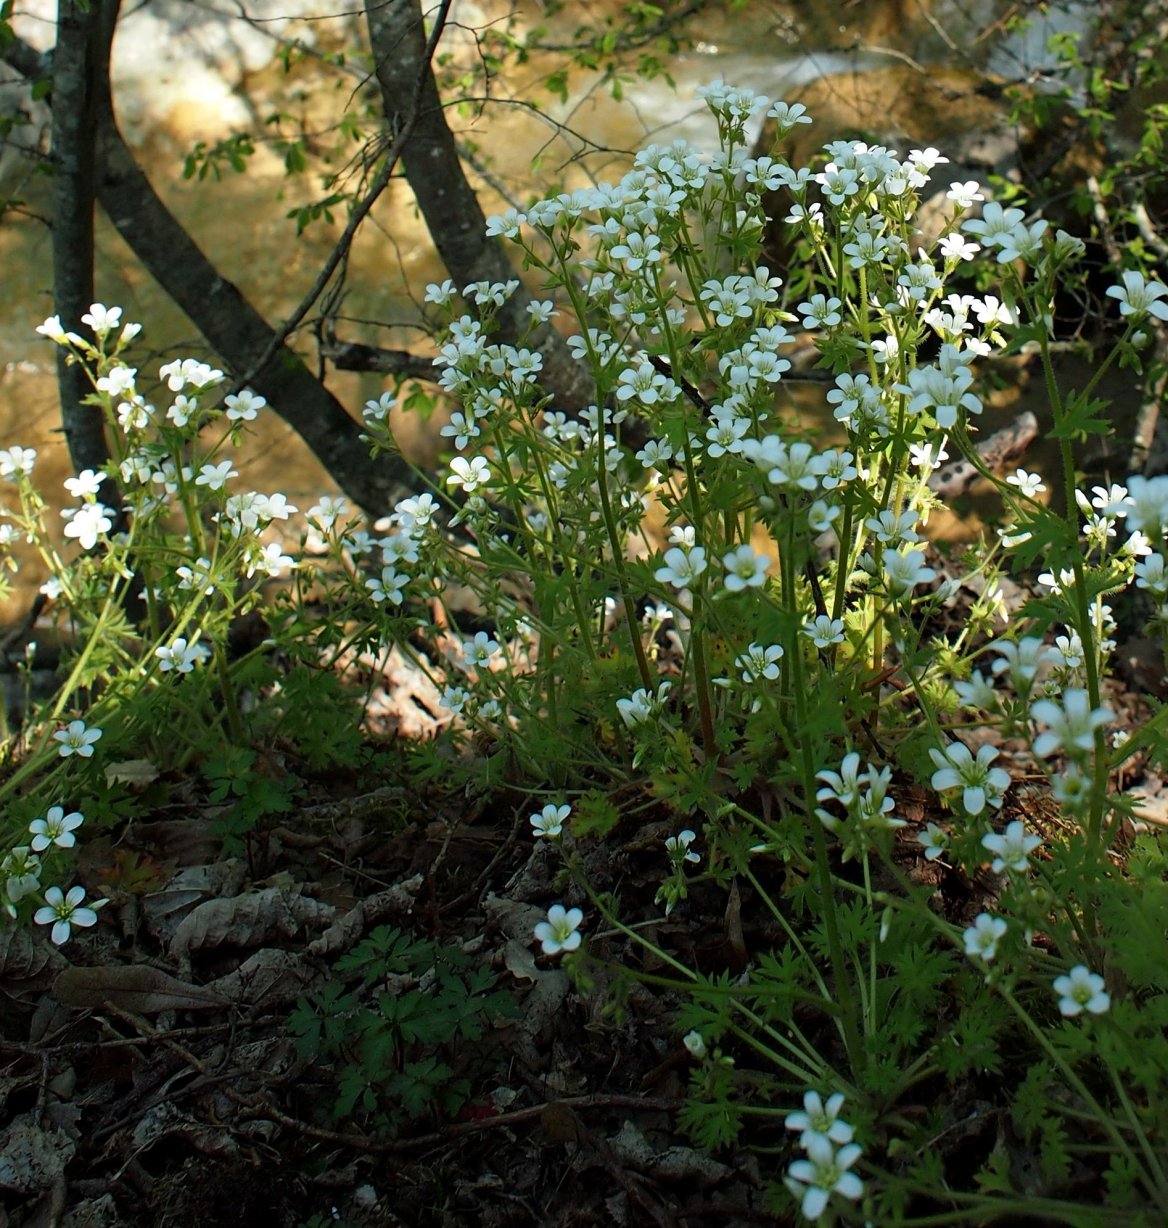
[823, 631]
[1070, 725]
[744, 569]
[56, 827]
[442, 294]
[1029, 484]
[904, 570]
[561, 930]
[469, 474]
[479, 652]
[550, 820]
[243, 406]
[1081, 990]
[983, 936]
[682, 567]
[16, 462]
[88, 522]
[759, 662]
[824, 1172]
[388, 586]
[64, 911]
[378, 411]
[214, 477]
[77, 739]
[820, 312]
[1138, 297]
[180, 656]
[87, 482]
[819, 1119]
[1011, 848]
[981, 784]
[102, 319]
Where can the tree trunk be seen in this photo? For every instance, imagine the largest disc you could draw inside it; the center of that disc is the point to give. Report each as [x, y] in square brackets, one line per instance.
[448, 203]
[80, 67]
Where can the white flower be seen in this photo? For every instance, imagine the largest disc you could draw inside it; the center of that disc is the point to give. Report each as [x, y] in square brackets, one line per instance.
[118, 382]
[819, 1119]
[188, 371]
[440, 294]
[1011, 848]
[843, 786]
[469, 474]
[1029, 484]
[77, 739]
[983, 936]
[820, 312]
[788, 115]
[20, 871]
[956, 247]
[1081, 990]
[1070, 726]
[454, 699]
[542, 312]
[327, 511]
[678, 847]
[1022, 661]
[758, 662]
[823, 1173]
[56, 827]
[694, 1042]
[933, 840]
[1138, 297]
[196, 576]
[682, 567]
[995, 224]
[88, 523]
[561, 930]
[102, 320]
[904, 570]
[981, 784]
[180, 655]
[87, 482]
[16, 461]
[387, 587]
[244, 406]
[656, 453]
[506, 224]
[964, 194]
[1147, 507]
[214, 477]
[273, 507]
[64, 911]
[1151, 574]
[824, 631]
[53, 329]
[641, 706]
[378, 411]
[550, 820]
[977, 693]
[478, 653]
[744, 569]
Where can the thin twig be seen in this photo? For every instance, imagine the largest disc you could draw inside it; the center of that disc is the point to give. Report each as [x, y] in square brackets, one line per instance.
[360, 211]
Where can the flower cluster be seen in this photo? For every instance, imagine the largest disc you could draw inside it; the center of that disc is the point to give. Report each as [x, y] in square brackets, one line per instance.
[830, 1154]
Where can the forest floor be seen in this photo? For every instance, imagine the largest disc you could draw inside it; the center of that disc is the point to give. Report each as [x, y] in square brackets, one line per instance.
[164, 1070]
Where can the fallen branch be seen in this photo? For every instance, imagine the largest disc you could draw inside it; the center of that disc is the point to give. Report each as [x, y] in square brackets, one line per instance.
[998, 450]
